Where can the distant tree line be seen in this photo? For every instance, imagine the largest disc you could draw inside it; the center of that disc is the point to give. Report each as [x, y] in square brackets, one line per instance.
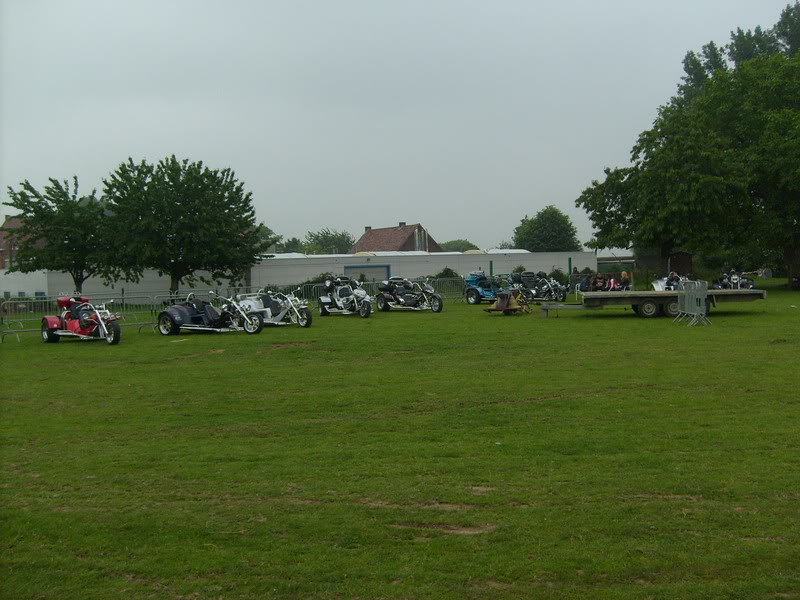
[179, 218]
[718, 172]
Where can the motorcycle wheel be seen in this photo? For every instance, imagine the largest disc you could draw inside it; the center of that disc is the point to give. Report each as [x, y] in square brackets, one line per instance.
[166, 326]
[365, 310]
[473, 297]
[304, 320]
[382, 304]
[323, 311]
[113, 333]
[48, 335]
[255, 325]
[436, 304]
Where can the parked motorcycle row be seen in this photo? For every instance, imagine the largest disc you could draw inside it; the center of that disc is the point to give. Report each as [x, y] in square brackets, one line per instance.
[532, 286]
[245, 312]
[733, 280]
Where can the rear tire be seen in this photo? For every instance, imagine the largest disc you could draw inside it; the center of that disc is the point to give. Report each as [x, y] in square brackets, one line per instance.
[381, 303]
[305, 318]
[473, 296]
[48, 335]
[166, 325]
[113, 333]
[365, 310]
[649, 309]
[323, 311]
[436, 304]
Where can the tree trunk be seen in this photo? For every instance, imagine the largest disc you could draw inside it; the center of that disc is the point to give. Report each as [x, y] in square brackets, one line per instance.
[77, 281]
[174, 283]
[791, 255]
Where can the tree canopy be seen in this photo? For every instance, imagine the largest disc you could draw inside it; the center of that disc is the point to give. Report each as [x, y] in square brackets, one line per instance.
[549, 231]
[328, 241]
[60, 231]
[720, 168]
[182, 218]
[458, 246]
[293, 244]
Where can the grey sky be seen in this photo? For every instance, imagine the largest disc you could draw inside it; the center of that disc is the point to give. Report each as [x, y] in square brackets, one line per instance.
[463, 115]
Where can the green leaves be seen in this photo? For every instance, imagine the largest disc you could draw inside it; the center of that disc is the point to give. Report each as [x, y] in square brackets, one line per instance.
[61, 231]
[458, 246]
[549, 231]
[328, 241]
[181, 218]
[719, 168]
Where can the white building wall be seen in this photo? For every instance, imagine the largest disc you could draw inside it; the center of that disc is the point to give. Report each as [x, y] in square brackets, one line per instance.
[22, 284]
[150, 284]
[291, 269]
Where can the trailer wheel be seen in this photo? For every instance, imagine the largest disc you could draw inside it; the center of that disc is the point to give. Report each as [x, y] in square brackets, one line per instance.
[648, 309]
[670, 308]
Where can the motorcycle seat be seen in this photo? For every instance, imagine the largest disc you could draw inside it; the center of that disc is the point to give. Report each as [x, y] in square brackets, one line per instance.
[211, 312]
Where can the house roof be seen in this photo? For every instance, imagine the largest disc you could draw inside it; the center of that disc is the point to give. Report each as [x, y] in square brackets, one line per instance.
[390, 239]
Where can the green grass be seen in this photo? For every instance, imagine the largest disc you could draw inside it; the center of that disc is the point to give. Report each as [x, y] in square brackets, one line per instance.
[459, 455]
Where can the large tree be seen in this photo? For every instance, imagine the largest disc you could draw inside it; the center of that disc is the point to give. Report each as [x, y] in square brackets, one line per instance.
[60, 231]
[549, 231]
[457, 246]
[328, 241]
[719, 168]
[293, 244]
[182, 218]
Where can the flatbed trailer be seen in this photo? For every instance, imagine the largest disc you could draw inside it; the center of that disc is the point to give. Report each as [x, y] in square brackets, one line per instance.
[652, 304]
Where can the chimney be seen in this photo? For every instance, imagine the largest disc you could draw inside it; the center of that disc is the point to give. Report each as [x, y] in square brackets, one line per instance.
[367, 228]
[402, 224]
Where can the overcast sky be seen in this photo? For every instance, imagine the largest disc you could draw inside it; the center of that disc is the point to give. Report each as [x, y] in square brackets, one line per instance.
[463, 115]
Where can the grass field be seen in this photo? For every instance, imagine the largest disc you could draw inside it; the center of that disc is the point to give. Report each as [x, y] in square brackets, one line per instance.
[459, 455]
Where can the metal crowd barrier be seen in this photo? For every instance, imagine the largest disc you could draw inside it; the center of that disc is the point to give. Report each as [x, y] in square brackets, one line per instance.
[24, 315]
[693, 304]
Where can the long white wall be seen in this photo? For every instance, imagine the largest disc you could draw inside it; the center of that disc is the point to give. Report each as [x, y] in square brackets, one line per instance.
[22, 284]
[291, 269]
[150, 284]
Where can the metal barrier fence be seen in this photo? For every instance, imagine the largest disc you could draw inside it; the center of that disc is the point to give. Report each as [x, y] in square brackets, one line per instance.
[24, 315]
[693, 303]
[452, 287]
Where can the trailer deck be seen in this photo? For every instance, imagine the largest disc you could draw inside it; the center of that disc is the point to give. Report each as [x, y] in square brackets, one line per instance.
[652, 304]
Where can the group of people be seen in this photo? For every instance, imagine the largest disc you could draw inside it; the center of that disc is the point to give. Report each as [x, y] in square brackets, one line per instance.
[599, 283]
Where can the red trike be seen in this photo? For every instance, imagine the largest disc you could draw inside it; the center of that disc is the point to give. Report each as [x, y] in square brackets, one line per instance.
[80, 319]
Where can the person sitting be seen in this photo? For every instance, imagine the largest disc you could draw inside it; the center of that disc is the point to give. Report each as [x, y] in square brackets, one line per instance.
[598, 283]
[624, 282]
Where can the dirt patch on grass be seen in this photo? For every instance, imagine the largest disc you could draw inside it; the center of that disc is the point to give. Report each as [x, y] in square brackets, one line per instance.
[481, 490]
[447, 528]
[292, 345]
[679, 497]
[212, 351]
[446, 506]
[490, 584]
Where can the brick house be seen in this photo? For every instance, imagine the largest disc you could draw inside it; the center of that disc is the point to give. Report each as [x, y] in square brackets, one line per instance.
[403, 238]
[6, 247]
